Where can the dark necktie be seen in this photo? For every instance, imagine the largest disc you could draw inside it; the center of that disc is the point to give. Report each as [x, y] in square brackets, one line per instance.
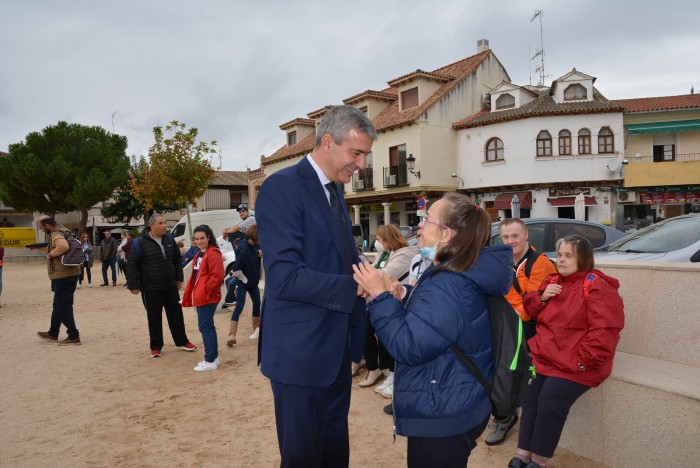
[340, 222]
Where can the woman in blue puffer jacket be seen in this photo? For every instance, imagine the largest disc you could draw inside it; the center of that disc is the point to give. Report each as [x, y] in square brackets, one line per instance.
[438, 404]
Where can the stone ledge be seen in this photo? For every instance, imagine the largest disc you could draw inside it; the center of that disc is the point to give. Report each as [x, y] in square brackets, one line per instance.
[671, 377]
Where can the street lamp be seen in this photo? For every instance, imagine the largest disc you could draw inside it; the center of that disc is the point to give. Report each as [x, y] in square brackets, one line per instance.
[461, 181]
[411, 164]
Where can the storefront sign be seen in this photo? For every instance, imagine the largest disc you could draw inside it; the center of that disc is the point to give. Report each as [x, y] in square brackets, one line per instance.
[16, 237]
[669, 197]
[376, 208]
[678, 188]
[568, 192]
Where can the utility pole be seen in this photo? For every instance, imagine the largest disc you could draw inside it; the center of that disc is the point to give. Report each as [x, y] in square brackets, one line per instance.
[113, 114]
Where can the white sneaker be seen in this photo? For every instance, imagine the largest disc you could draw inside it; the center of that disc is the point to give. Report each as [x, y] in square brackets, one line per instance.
[388, 382]
[79, 286]
[89, 285]
[388, 392]
[207, 366]
[255, 334]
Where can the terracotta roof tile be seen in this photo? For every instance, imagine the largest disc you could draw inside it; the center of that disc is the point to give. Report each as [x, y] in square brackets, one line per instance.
[230, 178]
[305, 146]
[542, 106]
[684, 101]
[370, 94]
[419, 74]
[392, 117]
[297, 121]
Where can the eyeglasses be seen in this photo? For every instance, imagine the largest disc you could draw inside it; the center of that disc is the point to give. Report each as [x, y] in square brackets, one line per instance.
[427, 221]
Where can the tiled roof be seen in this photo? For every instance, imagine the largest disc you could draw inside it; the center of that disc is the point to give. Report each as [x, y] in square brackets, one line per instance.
[370, 94]
[297, 121]
[685, 101]
[392, 117]
[542, 106]
[305, 146]
[230, 178]
[419, 74]
[320, 112]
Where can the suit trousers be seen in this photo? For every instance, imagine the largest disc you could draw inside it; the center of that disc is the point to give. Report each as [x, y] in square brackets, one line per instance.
[443, 452]
[154, 302]
[312, 422]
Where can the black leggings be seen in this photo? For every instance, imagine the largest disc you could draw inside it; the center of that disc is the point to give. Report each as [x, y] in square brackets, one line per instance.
[376, 355]
[545, 409]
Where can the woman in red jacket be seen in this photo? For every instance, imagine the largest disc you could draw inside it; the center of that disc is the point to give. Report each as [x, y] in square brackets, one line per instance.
[203, 291]
[579, 316]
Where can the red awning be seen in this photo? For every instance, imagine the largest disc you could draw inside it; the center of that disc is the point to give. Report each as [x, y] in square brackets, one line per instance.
[570, 201]
[503, 200]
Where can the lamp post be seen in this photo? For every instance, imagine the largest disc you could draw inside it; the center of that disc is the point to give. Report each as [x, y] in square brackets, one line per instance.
[461, 181]
[411, 164]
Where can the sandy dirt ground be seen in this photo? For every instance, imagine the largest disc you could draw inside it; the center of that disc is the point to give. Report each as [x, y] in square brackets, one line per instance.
[106, 403]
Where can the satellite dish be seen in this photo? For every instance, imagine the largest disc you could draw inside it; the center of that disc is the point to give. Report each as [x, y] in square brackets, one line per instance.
[614, 166]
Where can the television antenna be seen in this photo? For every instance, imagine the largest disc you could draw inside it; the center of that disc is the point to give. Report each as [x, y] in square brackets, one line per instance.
[540, 52]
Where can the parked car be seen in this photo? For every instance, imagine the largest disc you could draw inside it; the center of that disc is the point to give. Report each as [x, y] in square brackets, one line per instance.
[408, 231]
[543, 233]
[227, 253]
[673, 240]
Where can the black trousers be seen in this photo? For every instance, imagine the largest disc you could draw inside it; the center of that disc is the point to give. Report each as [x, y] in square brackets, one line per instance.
[155, 302]
[545, 410]
[444, 452]
[312, 422]
[376, 355]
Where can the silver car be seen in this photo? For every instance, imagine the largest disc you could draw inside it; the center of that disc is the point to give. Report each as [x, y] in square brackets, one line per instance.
[673, 240]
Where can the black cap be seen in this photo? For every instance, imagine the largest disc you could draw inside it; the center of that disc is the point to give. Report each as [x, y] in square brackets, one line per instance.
[242, 207]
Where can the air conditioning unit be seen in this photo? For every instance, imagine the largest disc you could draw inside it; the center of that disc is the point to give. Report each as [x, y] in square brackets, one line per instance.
[359, 185]
[390, 180]
[627, 197]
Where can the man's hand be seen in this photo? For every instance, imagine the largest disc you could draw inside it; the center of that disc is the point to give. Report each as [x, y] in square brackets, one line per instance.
[135, 291]
[179, 285]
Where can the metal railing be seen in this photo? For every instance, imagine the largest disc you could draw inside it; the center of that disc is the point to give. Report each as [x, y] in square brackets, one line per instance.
[363, 180]
[395, 176]
[676, 158]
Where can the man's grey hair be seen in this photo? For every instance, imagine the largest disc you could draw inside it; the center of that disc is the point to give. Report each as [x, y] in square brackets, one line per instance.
[340, 121]
[154, 217]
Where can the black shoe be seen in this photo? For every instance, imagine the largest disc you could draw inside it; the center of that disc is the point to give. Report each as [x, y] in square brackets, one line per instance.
[533, 464]
[389, 409]
[104, 284]
[517, 463]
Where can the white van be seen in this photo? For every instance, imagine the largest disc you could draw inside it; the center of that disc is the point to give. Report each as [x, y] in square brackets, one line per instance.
[217, 220]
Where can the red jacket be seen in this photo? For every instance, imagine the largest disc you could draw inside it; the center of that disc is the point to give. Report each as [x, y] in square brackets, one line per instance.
[573, 330]
[205, 288]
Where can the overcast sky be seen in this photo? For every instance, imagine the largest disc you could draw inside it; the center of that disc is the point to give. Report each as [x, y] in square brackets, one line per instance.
[236, 70]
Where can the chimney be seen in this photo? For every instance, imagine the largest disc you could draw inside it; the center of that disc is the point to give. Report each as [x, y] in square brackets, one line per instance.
[482, 45]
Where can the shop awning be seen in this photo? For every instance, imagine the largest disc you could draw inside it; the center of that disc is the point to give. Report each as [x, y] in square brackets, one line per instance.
[569, 201]
[503, 200]
[659, 127]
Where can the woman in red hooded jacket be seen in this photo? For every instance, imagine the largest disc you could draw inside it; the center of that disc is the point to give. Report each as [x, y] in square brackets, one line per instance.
[579, 315]
[203, 291]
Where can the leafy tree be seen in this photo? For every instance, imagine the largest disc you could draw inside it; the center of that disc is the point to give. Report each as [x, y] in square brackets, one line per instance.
[66, 167]
[126, 206]
[179, 168]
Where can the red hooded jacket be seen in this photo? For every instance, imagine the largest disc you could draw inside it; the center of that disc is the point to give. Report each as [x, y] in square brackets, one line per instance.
[205, 288]
[572, 329]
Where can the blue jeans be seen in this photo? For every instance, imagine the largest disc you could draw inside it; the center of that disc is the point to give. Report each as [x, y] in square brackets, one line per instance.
[230, 283]
[241, 291]
[62, 314]
[205, 320]
[111, 263]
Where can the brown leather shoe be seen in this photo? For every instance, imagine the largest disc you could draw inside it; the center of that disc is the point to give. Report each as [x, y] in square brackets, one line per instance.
[70, 341]
[46, 336]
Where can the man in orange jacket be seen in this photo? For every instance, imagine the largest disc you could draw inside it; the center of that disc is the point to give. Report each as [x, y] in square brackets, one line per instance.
[514, 233]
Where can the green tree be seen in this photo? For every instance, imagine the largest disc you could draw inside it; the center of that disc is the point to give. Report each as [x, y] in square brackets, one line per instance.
[179, 168]
[66, 167]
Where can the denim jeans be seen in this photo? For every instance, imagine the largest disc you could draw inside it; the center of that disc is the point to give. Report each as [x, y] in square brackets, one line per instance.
[205, 320]
[111, 263]
[230, 283]
[241, 291]
[63, 291]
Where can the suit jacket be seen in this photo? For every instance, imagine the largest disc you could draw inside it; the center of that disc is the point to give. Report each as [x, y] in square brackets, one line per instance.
[310, 296]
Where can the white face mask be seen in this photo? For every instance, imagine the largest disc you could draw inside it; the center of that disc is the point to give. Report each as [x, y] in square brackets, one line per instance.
[378, 246]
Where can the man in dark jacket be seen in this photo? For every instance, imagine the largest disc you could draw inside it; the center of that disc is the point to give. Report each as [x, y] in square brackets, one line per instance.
[108, 255]
[154, 269]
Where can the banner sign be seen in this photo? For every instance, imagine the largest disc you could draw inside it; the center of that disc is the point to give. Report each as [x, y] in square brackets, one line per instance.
[16, 237]
[568, 192]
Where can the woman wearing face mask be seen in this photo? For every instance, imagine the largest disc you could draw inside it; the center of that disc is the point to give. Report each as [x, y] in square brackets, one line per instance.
[394, 261]
[438, 403]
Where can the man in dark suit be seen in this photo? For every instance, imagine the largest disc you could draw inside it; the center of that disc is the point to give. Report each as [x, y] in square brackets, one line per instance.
[313, 312]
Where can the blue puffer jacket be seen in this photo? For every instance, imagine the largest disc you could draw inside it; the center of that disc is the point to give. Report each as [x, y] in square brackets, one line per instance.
[434, 394]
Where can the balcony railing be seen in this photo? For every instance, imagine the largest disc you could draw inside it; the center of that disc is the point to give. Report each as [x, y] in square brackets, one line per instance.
[676, 158]
[363, 180]
[395, 176]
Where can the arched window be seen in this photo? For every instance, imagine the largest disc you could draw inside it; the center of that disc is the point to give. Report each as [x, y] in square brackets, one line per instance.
[544, 143]
[505, 101]
[575, 92]
[606, 141]
[584, 141]
[564, 142]
[494, 150]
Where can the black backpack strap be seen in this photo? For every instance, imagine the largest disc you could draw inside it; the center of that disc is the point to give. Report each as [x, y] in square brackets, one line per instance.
[469, 364]
[530, 259]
